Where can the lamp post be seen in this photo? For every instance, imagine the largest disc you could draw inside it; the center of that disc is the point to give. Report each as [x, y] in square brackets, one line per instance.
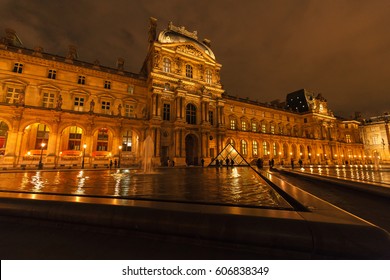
[40, 164]
[82, 163]
[119, 159]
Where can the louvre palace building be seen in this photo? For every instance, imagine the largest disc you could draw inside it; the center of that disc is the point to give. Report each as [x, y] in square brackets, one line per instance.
[62, 111]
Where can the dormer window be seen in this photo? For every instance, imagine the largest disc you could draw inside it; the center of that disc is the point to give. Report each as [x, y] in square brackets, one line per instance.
[52, 74]
[189, 71]
[81, 80]
[18, 68]
[107, 84]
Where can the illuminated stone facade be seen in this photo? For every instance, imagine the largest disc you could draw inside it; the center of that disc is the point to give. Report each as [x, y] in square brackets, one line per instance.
[85, 112]
[376, 138]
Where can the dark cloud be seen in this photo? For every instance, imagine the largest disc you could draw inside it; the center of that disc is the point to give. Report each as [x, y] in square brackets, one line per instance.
[267, 48]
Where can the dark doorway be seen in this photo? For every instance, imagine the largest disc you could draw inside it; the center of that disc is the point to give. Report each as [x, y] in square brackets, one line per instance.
[191, 150]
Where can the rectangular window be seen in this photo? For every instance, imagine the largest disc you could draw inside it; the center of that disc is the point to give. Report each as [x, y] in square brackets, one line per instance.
[81, 80]
[263, 128]
[254, 148]
[348, 138]
[188, 71]
[208, 76]
[13, 95]
[211, 117]
[129, 110]
[243, 126]
[42, 136]
[52, 74]
[272, 129]
[75, 134]
[48, 99]
[107, 85]
[102, 140]
[254, 127]
[167, 112]
[18, 68]
[127, 141]
[78, 104]
[106, 107]
[233, 124]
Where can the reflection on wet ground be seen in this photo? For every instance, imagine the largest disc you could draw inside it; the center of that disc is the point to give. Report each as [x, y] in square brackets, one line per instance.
[366, 173]
[231, 186]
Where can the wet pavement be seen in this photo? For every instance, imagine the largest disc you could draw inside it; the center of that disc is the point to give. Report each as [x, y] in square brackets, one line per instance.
[227, 186]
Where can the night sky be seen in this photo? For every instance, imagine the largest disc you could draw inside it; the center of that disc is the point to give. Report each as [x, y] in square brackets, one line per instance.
[267, 48]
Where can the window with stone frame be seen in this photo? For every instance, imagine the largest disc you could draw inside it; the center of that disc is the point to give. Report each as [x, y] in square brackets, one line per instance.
[254, 127]
[78, 103]
[211, 117]
[13, 94]
[255, 150]
[243, 125]
[166, 112]
[263, 128]
[52, 74]
[189, 71]
[129, 110]
[166, 65]
[209, 76]
[232, 124]
[18, 67]
[81, 80]
[191, 114]
[265, 148]
[244, 147]
[48, 99]
[107, 84]
[127, 141]
[105, 107]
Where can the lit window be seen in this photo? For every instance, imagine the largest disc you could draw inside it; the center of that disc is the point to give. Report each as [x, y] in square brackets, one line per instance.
[3, 136]
[244, 148]
[233, 124]
[81, 80]
[348, 138]
[42, 136]
[13, 95]
[275, 149]
[18, 68]
[78, 104]
[127, 141]
[209, 76]
[48, 99]
[167, 65]
[265, 148]
[102, 140]
[167, 86]
[243, 125]
[263, 128]
[129, 110]
[254, 148]
[272, 128]
[52, 74]
[188, 71]
[75, 134]
[254, 127]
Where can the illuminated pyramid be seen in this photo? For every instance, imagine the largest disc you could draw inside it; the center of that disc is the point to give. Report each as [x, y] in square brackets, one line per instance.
[232, 154]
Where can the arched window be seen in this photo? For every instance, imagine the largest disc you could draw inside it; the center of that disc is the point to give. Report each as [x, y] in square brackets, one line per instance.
[244, 147]
[254, 148]
[265, 148]
[127, 141]
[75, 134]
[3, 137]
[167, 65]
[209, 76]
[42, 136]
[102, 140]
[189, 71]
[274, 149]
[191, 114]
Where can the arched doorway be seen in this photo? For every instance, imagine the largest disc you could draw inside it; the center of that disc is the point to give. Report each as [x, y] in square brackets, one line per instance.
[191, 150]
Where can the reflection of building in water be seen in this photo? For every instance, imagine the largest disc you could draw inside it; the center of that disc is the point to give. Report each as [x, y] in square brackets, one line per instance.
[177, 99]
[376, 138]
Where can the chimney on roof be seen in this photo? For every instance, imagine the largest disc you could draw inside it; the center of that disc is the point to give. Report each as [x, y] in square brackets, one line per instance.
[207, 42]
[72, 53]
[120, 64]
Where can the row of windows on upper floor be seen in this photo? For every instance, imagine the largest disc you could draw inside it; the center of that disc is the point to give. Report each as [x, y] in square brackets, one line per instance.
[167, 67]
[52, 100]
[52, 74]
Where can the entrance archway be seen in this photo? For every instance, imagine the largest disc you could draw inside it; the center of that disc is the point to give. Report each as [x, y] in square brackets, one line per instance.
[191, 150]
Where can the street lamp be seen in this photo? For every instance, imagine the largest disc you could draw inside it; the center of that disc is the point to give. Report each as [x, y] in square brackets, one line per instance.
[40, 164]
[119, 159]
[82, 163]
